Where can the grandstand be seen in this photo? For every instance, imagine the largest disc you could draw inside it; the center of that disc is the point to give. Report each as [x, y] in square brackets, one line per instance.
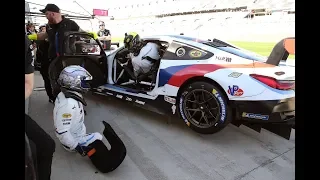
[237, 20]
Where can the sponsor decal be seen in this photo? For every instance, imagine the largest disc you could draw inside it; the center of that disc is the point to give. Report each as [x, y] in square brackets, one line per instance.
[235, 74]
[279, 73]
[119, 96]
[63, 120]
[222, 104]
[255, 116]
[173, 107]
[67, 123]
[235, 90]
[195, 53]
[180, 107]
[128, 99]
[140, 102]
[170, 100]
[66, 115]
[180, 52]
[227, 59]
[109, 93]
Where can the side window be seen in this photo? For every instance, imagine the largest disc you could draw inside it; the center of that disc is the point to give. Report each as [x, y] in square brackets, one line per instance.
[181, 51]
[80, 44]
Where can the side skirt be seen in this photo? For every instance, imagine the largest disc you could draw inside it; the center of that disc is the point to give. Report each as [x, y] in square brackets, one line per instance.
[157, 105]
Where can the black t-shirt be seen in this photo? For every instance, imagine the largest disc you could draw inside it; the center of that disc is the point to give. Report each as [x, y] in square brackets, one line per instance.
[104, 32]
[29, 61]
[56, 34]
[42, 51]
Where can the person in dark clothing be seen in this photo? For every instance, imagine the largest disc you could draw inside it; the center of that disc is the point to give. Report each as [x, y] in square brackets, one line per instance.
[41, 143]
[104, 36]
[55, 30]
[42, 58]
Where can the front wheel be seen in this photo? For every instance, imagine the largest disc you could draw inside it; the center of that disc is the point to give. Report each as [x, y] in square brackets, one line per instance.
[203, 107]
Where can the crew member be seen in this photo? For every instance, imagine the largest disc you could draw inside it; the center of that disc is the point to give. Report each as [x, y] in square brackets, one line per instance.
[142, 55]
[42, 58]
[44, 145]
[55, 29]
[68, 111]
[104, 36]
[68, 118]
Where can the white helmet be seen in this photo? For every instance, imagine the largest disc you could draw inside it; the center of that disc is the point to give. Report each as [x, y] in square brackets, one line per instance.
[75, 78]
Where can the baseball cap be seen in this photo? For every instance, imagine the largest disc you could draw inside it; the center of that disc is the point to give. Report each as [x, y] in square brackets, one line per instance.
[50, 7]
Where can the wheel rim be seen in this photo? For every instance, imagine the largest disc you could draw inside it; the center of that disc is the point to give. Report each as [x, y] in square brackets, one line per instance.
[201, 108]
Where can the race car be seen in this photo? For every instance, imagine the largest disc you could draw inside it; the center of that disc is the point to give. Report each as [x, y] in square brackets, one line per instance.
[207, 83]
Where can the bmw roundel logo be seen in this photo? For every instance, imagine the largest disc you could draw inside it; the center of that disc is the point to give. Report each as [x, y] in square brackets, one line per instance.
[180, 52]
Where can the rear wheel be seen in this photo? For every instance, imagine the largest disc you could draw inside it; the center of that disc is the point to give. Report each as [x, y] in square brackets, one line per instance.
[203, 107]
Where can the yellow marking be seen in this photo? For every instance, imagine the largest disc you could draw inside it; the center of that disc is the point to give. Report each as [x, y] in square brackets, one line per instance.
[214, 91]
[195, 53]
[66, 115]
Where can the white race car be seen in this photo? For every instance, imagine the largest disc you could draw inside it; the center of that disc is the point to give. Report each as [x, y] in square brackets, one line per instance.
[207, 83]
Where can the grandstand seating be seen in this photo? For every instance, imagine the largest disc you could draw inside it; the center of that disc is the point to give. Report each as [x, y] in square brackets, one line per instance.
[158, 7]
[226, 25]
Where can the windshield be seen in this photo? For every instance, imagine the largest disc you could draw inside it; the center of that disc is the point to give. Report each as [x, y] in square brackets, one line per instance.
[223, 46]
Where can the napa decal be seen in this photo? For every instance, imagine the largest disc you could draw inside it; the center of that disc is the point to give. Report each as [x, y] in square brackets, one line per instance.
[222, 105]
[195, 54]
[255, 116]
[235, 90]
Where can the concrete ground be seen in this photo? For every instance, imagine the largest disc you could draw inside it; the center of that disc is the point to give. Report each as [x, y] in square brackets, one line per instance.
[158, 150]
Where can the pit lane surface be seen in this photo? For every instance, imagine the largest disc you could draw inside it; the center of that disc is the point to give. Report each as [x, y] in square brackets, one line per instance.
[158, 150]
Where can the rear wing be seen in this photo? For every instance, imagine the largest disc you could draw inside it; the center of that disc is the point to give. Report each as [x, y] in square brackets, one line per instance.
[281, 51]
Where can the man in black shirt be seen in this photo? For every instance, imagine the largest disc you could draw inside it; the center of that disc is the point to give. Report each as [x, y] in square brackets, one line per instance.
[41, 143]
[104, 36]
[55, 29]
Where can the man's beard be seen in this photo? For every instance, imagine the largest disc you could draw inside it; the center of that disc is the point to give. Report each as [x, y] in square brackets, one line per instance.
[51, 21]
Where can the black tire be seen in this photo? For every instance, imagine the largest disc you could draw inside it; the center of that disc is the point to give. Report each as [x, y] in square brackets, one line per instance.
[213, 95]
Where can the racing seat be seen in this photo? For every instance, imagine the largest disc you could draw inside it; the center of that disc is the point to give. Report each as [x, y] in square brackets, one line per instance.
[150, 75]
[152, 72]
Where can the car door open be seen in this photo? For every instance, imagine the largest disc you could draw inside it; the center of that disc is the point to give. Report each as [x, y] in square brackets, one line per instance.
[79, 48]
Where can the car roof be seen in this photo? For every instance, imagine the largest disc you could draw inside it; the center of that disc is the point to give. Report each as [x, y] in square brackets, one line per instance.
[172, 37]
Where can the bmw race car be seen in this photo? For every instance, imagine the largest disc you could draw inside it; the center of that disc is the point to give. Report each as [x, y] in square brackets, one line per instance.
[207, 83]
